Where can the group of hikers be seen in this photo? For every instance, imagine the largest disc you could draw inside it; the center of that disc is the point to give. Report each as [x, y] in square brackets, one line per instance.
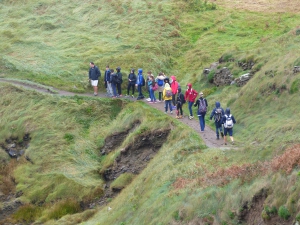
[169, 91]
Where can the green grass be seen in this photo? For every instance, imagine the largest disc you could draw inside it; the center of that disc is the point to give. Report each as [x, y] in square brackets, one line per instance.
[41, 43]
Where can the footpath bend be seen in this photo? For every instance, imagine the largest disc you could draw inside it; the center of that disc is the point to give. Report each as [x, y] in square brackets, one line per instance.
[208, 136]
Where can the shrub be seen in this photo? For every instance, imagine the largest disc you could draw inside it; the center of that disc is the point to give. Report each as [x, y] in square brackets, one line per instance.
[283, 212]
[60, 209]
[294, 87]
[69, 137]
[122, 181]
[211, 76]
[27, 213]
[298, 217]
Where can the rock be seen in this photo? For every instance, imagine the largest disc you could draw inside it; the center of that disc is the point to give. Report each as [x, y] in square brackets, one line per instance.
[223, 77]
[296, 69]
[243, 79]
[13, 153]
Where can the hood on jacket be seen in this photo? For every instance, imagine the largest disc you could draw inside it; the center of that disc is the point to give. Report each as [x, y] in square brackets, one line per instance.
[173, 78]
[179, 90]
[189, 85]
[167, 85]
[218, 105]
[227, 111]
[140, 71]
[166, 80]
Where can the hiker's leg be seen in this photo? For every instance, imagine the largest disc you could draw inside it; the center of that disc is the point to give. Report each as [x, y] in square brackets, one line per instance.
[201, 118]
[180, 108]
[128, 88]
[217, 128]
[190, 108]
[166, 105]
[133, 88]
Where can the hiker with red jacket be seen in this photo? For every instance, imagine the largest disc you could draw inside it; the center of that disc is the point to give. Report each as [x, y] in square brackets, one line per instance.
[202, 105]
[174, 86]
[190, 96]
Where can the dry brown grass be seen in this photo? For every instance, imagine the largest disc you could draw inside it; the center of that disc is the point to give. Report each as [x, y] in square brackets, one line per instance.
[7, 182]
[246, 172]
[261, 5]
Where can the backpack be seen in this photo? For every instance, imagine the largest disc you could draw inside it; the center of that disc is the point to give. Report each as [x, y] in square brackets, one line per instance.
[155, 87]
[160, 82]
[183, 99]
[218, 114]
[228, 123]
[202, 106]
[169, 93]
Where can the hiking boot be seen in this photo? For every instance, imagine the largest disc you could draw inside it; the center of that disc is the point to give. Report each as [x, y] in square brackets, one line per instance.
[191, 117]
[171, 112]
[177, 117]
[222, 134]
[225, 143]
[218, 138]
[132, 96]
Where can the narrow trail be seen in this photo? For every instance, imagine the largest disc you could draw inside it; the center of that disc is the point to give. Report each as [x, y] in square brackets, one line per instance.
[208, 136]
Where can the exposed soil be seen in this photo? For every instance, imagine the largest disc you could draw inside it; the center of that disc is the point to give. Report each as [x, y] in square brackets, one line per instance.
[8, 197]
[251, 213]
[132, 159]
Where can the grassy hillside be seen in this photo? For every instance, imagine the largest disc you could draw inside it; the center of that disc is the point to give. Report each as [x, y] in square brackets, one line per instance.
[185, 183]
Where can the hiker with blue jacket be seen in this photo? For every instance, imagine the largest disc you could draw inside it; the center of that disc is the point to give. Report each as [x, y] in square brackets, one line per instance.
[217, 113]
[140, 82]
[228, 121]
[202, 105]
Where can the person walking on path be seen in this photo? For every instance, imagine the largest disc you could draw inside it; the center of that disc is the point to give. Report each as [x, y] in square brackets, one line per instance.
[140, 82]
[151, 85]
[107, 83]
[160, 82]
[180, 101]
[119, 81]
[167, 97]
[94, 74]
[190, 96]
[113, 81]
[228, 121]
[202, 105]
[174, 86]
[217, 113]
[131, 83]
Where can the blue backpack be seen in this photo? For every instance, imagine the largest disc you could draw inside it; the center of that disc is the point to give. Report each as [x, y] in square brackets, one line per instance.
[160, 82]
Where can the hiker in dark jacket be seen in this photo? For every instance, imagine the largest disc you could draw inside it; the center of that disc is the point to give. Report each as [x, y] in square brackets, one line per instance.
[179, 102]
[94, 74]
[217, 113]
[113, 81]
[107, 82]
[131, 82]
[228, 121]
[119, 81]
[202, 105]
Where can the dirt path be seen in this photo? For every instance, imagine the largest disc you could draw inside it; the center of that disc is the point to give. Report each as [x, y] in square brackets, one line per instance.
[208, 135]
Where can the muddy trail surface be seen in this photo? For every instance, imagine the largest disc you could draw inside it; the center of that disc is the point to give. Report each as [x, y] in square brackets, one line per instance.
[208, 136]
